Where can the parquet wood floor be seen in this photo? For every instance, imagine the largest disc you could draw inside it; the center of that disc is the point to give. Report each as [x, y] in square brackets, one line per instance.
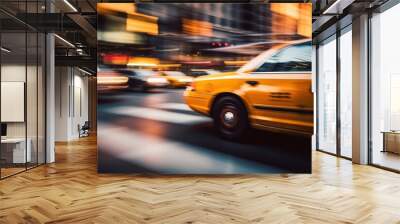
[71, 191]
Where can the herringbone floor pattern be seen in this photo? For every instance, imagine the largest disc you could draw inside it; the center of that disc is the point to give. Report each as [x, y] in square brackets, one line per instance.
[71, 191]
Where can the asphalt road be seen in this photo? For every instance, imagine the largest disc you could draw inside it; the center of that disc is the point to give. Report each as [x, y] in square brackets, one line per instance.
[155, 132]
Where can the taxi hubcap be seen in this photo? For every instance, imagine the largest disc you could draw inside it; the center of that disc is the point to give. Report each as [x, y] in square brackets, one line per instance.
[229, 116]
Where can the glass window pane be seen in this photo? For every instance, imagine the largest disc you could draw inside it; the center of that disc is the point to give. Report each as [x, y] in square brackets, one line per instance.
[31, 97]
[23, 85]
[327, 96]
[346, 94]
[385, 84]
[41, 98]
[13, 89]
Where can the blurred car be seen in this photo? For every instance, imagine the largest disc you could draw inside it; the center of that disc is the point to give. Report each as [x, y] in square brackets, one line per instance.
[142, 79]
[272, 91]
[177, 79]
[110, 80]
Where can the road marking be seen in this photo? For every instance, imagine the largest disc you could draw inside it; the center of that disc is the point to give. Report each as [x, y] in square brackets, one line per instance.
[174, 106]
[159, 115]
[168, 156]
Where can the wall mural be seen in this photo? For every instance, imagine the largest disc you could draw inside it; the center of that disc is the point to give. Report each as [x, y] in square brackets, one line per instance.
[204, 88]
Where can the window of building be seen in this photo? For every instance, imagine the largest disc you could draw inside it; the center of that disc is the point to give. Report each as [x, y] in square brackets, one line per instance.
[22, 101]
[346, 92]
[327, 128]
[385, 89]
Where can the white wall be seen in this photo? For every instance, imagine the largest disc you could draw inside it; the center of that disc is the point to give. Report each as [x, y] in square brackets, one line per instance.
[71, 102]
[16, 73]
[82, 83]
[13, 101]
[62, 82]
[33, 126]
[13, 72]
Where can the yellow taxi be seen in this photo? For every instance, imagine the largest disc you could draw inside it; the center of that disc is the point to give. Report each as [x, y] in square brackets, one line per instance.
[177, 79]
[272, 91]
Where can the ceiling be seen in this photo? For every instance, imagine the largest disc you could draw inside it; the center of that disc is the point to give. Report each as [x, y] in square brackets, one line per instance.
[328, 13]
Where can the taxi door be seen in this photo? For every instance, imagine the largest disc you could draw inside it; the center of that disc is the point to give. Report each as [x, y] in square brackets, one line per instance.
[279, 91]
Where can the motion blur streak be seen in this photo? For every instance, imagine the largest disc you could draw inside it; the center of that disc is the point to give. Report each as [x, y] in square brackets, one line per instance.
[160, 115]
[150, 53]
[112, 80]
[173, 157]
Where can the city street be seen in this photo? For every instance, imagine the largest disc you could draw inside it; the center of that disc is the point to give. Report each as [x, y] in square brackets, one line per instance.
[155, 132]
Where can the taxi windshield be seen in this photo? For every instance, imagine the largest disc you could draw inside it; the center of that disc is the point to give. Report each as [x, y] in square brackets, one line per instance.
[291, 58]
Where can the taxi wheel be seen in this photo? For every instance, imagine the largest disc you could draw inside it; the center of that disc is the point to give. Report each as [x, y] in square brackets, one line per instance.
[230, 117]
